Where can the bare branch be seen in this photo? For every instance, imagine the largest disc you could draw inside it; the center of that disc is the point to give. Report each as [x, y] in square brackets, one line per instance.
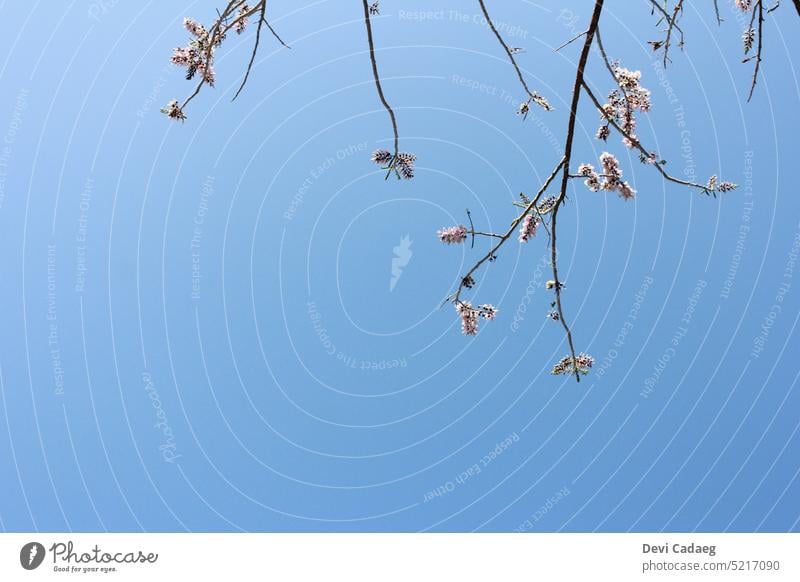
[532, 95]
[758, 7]
[375, 74]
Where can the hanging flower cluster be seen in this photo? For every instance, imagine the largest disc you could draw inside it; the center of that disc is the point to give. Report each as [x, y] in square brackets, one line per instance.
[528, 229]
[610, 179]
[744, 5]
[241, 22]
[470, 315]
[566, 365]
[453, 234]
[402, 164]
[623, 103]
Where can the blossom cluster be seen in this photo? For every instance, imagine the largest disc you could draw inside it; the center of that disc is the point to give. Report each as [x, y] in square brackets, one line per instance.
[610, 178]
[198, 55]
[623, 103]
[566, 365]
[470, 315]
[402, 163]
[529, 225]
[714, 185]
[744, 5]
[453, 234]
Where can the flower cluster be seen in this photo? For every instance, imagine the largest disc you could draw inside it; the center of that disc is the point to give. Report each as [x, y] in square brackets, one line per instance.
[453, 234]
[173, 110]
[623, 103]
[241, 19]
[546, 204]
[529, 225]
[402, 163]
[198, 55]
[744, 5]
[470, 315]
[610, 179]
[566, 365]
[714, 185]
[748, 38]
[525, 107]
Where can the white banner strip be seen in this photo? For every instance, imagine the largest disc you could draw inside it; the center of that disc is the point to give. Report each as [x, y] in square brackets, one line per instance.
[400, 557]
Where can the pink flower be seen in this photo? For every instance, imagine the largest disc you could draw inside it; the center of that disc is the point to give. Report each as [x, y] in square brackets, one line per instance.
[592, 179]
[241, 23]
[744, 5]
[381, 157]
[173, 110]
[195, 27]
[453, 234]
[470, 315]
[528, 229]
[469, 318]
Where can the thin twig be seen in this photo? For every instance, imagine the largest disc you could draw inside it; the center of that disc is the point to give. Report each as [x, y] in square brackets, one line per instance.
[378, 79]
[570, 41]
[760, 7]
[719, 18]
[671, 23]
[261, 21]
[533, 95]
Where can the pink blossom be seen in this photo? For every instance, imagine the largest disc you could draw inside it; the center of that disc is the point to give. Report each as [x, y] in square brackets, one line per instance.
[241, 23]
[528, 229]
[453, 234]
[469, 318]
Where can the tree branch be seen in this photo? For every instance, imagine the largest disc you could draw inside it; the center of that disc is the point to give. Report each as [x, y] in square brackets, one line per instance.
[573, 115]
[378, 79]
[532, 95]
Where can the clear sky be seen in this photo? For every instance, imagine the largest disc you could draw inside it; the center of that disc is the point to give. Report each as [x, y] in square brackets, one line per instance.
[234, 322]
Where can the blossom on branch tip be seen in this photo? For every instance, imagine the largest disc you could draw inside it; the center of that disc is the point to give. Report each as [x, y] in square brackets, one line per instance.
[453, 234]
[469, 316]
[567, 365]
[713, 185]
[381, 157]
[528, 229]
[173, 110]
[402, 163]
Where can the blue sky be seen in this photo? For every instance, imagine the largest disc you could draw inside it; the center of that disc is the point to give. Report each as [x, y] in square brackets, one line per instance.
[201, 330]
